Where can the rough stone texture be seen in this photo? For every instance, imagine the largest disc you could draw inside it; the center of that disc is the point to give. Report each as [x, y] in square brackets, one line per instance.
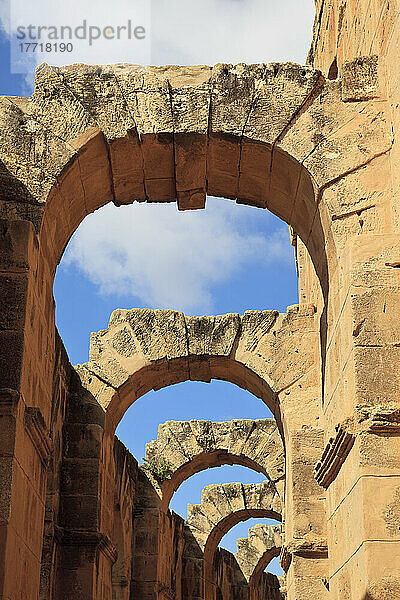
[191, 446]
[224, 505]
[319, 147]
[256, 551]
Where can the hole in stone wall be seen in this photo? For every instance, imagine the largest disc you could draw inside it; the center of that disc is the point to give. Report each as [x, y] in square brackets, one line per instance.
[333, 69]
[227, 258]
[214, 401]
[241, 530]
[274, 567]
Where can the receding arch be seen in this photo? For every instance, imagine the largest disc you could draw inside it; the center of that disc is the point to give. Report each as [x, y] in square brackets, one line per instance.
[222, 507]
[230, 521]
[145, 349]
[193, 446]
[262, 564]
[254, 553]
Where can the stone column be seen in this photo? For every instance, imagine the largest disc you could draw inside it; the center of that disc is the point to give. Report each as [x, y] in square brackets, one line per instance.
[85, 569]
[146, 533]
[87, 552]
[304, 553]
[360, 466]
[25, 400]
[24, 451]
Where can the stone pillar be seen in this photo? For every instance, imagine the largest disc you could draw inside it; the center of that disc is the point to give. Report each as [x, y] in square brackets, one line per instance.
[146, 521]
[87, 555]
[25, 400]
[305, 553]
[85, 566]
[362, 405]
[24, 451]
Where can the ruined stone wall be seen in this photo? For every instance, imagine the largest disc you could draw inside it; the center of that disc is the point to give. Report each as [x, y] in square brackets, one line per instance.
[56, 473]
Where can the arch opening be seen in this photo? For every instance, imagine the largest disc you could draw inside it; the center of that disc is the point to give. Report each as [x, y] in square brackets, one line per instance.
[224, 259]
[215, 537]
[269, 179]
[164, 373]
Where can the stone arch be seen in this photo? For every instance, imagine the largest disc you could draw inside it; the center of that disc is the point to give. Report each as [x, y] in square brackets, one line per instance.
[226, 504]
[123, 133]
[271, 135]
[222, 507]
[254, 553]
[192, 446]
[264, 352]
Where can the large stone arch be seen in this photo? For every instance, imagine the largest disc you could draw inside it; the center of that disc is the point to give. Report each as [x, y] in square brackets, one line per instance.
[122, 133]
[192, 446]
[267, 134]
[226, 504]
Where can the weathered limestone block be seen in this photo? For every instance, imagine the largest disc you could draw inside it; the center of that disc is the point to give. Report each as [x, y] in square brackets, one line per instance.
[360, 79]
[333, 138]
[280, 95]
[28, 148]
[100, 390]
[57, 106]
[212, 335]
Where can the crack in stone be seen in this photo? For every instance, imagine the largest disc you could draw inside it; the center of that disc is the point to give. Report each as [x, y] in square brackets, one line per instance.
[170, 96]
[305, 105]
[110, 169]
[251, 108]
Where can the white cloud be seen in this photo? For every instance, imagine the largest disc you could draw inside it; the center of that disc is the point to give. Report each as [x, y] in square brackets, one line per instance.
[171, 259]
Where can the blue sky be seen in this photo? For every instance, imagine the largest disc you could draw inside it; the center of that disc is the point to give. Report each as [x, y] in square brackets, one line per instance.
[228, 258]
